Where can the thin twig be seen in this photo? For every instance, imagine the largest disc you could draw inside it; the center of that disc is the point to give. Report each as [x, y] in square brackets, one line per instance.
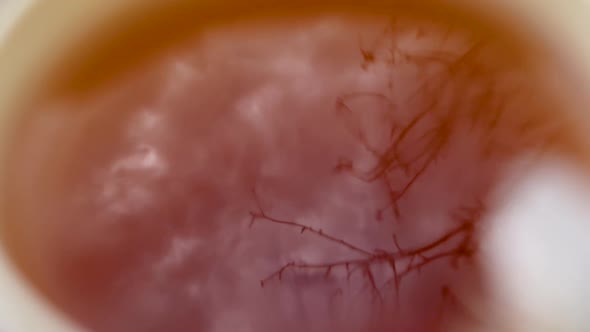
[261, 215]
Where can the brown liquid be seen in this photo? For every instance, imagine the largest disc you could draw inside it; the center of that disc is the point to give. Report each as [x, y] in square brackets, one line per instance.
[340, 163]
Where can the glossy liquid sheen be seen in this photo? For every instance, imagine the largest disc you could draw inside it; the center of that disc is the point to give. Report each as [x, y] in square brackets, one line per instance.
[326, 174]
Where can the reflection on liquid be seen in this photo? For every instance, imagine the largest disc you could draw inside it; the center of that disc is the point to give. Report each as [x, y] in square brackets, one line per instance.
[341, 163]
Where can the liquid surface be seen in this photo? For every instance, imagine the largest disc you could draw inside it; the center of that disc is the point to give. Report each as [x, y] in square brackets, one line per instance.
[328, 174]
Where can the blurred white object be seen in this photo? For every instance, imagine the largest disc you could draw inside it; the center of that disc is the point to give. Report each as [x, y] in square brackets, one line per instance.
[539, 250]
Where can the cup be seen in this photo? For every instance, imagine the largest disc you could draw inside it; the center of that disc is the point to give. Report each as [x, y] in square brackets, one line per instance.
[73, 47]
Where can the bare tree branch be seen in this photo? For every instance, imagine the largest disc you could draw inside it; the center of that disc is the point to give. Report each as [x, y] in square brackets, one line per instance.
[261, 215]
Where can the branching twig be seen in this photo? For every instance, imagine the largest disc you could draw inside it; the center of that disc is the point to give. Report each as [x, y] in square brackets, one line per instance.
[405, 150]
[416, 258]
[260, 214]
